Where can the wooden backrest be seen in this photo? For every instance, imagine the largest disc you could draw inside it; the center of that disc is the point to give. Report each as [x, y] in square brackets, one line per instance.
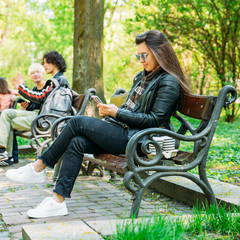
[196, 106]
[191, 105]
[77, 99]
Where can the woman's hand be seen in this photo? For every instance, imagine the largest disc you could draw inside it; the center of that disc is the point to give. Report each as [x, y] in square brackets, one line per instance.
[107, 109]
[16, 81]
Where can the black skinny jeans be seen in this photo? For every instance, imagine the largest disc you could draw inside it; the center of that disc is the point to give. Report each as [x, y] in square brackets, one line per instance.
[82, 135]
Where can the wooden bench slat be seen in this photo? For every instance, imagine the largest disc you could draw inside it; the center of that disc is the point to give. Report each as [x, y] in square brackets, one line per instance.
[197, 106]
[183, 158]
[24, 134]
[116, 163]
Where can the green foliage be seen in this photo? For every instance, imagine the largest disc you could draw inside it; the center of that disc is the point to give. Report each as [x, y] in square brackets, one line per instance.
[157, 227]
[29, 28]
[22, 141]
[211, 219]
[204, 223]
[223, 162]
[204, 34]
[224, 155]
[120, 66]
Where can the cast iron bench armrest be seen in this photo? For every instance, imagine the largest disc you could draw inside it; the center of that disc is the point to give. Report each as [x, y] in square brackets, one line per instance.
[134, 161]
[41, 131]
[58, 126]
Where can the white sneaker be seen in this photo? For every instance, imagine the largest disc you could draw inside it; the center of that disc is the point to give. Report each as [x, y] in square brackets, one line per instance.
[26, 174]
[4, 156]
[48, 208]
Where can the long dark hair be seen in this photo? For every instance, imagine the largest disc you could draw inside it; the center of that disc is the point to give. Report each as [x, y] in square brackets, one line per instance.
[4, 89]
[164, 54]
[56, 58]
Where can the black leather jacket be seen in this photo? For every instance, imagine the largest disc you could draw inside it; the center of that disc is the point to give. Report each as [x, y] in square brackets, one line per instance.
[155, 106]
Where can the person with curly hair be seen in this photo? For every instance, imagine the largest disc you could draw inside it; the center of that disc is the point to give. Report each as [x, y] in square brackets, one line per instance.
[54, 64]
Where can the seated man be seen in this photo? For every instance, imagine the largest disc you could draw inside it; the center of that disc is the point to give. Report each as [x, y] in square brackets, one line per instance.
[13, 119]
[55, 65]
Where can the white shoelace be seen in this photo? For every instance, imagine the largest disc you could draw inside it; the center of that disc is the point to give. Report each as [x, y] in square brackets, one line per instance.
[21, 169]
[43, 201]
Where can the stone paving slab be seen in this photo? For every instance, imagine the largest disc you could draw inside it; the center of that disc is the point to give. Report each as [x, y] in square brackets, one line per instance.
[93, 199]
[84, 230]
[186, 191]
[4, 235]
[107, 228]
[81, 229]
[73, 230]
[62, 231]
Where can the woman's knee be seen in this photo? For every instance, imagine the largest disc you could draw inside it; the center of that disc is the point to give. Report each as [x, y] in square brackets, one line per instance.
[77, 122]
[8, 113]
[77, 144]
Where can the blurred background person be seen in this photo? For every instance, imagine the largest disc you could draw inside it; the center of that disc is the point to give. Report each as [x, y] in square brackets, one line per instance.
[20, 120]
[7, 95]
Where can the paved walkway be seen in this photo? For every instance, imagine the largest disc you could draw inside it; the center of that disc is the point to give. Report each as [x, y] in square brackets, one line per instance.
[92, 199]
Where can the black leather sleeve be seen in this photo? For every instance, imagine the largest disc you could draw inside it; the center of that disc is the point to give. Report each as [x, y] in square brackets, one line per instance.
[159, 110]
[63, 81]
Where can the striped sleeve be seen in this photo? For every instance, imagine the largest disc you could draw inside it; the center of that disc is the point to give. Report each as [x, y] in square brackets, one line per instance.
[35, 96]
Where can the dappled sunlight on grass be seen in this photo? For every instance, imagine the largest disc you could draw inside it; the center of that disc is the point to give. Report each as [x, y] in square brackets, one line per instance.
[223, 162]
[224, 155]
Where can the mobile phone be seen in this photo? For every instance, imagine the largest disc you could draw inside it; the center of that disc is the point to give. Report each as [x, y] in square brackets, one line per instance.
[20, 100]
[96, 99]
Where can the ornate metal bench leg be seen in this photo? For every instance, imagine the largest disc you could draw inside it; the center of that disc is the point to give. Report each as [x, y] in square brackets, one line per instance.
[136, 203]
[203, 177]
[83, 170]
[113, 175]
[57, 169]
[92, 166]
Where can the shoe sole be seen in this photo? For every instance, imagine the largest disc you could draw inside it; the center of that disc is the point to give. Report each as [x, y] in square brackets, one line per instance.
[50, 214]
[3, 164]
[26, 181]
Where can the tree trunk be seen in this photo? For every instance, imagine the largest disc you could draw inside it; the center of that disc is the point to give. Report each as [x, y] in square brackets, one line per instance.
[88, 46]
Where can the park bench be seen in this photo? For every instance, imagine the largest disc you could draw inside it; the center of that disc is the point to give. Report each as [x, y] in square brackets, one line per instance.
[140, 171]
[40, 134]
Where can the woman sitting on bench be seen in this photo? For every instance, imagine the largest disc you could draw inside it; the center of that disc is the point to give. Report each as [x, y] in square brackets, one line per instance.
[154, 95]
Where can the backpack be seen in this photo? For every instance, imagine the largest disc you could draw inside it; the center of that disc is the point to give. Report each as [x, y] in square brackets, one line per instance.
[59, 101]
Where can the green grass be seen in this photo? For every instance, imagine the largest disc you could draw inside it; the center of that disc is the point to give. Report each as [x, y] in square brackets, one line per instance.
[223, 162]
[204, 223]
[157, 227]
[23, 141]
[224, 155]
[218, 221]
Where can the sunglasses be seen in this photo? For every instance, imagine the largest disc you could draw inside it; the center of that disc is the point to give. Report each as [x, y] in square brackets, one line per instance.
[142, 55]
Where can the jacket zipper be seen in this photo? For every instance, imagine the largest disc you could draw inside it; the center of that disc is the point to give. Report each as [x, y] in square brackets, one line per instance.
[145, 108]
